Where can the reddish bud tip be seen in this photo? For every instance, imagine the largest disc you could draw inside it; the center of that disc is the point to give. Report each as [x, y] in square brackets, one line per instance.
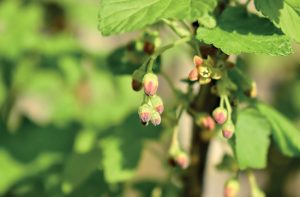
[137, 80]
[150, 82]
[155, 118]
[220, 115]
[198, 61]
[208, 123]
[231, 188]
[193, 75]
[157, 103]
[182, 160]
[145, 113]
[228, 129]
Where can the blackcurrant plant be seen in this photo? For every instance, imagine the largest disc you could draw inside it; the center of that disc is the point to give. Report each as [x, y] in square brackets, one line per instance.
[220, 95]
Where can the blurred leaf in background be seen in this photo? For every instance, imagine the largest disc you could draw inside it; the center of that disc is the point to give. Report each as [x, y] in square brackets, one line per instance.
[68, 124]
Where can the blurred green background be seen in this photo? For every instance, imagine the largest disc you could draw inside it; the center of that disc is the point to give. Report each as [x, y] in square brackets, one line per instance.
[69, 125]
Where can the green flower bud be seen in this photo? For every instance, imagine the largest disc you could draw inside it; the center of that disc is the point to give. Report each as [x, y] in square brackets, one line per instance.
[228, 129]
[155, 118]
[231, 188]
[145, 113]
[182, 160]
[220, 115]
[206, 122]
[157, 103]
[137, 80]
[150, 83]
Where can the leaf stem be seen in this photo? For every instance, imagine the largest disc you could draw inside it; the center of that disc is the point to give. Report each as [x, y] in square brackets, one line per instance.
[173, 27]
[228, 106]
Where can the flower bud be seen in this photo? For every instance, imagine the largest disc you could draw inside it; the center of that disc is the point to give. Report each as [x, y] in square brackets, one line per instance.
[220, 115]
[228, 129]
[157, 103]
[208, 123]
[193, 75]
[182, 160]
[149, 47]
[145, 113]
[198, 61]
[155, 118]
[231, 188]
[137, 80]
[150, 82]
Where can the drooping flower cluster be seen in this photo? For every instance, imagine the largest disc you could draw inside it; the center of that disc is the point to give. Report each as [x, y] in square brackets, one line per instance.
[152, 106]
[223, 117]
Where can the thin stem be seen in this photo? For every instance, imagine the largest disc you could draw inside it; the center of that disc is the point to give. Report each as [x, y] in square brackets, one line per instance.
[228, 106]
[180, 111]
[173, 27]
[166, 47]
[222, 102]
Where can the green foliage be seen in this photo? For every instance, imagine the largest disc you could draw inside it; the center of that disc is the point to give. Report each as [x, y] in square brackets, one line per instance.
[284, 14]
[116, 17]
[252, 139]
[237, 32]
[284, 133]
[68, 118]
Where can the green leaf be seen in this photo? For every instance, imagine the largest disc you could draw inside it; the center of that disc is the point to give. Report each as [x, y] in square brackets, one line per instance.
[122, 149]
[284, 133]
[284, 14]
[240, 32]
[252, 139]
[78, 168]
[117, 16]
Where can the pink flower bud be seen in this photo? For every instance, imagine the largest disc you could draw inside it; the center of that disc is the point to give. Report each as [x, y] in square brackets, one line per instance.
[137, 80]
[198, 61]
[228, 129]
[145, 113]
[155, 118]
[182, 160]
[150, 82]
[231, 188]
[157, 103]
[208, 123]
[220, 115]
[193, 75]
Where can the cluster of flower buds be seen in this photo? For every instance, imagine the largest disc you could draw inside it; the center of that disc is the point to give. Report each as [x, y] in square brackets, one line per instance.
[222, 117]
[231, 187]
[152, 107]
[204, 71]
